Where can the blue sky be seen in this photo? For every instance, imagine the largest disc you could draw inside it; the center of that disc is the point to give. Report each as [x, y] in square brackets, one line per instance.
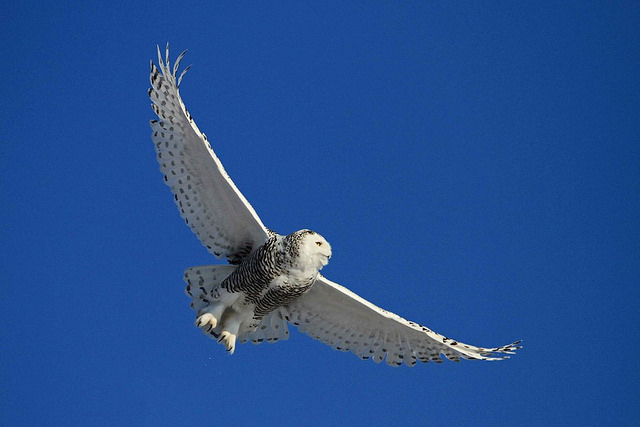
[476, 168]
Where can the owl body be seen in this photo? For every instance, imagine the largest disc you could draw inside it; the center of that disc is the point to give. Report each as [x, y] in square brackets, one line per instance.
[275, 274]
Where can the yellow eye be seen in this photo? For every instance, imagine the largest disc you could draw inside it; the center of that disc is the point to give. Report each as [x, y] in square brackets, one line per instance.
[319, 243]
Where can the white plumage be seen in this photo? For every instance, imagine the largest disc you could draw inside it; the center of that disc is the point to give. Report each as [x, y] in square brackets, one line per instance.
[272, 280]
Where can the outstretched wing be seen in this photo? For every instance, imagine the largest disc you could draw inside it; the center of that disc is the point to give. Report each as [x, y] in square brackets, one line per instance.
[336, 316]
[208, 200]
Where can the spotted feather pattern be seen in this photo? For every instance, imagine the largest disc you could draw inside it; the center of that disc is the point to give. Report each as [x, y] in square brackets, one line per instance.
[272, 328]
[203, 284]
[208, 200]
[340, 318]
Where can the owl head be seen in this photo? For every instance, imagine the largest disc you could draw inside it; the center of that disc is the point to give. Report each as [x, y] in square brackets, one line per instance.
[309, 248]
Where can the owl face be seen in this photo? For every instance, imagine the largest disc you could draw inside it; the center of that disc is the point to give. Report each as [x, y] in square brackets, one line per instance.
[313, 248]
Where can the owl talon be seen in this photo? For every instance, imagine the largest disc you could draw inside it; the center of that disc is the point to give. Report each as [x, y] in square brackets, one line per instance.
[228, 340]
[206, 319]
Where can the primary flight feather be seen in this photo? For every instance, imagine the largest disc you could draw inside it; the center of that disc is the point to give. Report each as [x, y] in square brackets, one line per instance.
[271, 279]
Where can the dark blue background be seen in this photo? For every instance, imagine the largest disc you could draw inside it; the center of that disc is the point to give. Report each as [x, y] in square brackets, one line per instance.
[476, 168]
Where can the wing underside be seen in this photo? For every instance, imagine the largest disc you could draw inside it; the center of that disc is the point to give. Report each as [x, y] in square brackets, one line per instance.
[208, 200]
[340, 318]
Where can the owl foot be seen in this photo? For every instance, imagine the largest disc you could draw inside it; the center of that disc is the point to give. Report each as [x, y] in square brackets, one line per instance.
[228, 340]
[206, 320]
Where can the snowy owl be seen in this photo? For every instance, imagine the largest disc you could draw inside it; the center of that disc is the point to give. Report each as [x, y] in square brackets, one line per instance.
[271, 279]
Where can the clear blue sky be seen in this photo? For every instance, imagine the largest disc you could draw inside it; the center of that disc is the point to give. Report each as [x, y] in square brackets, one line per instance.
[476, 168]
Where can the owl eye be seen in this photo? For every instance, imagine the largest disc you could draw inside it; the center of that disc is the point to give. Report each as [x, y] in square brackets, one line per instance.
[319, 243]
